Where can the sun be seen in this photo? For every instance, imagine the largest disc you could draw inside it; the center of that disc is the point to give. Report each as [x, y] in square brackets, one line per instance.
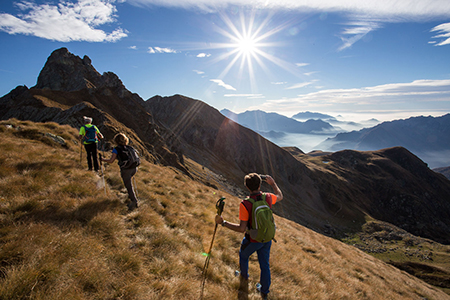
[247, 39]
[247, 46]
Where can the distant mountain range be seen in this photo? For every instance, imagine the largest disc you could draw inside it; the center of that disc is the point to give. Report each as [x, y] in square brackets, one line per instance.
[307, 115]
[427, 137]
[263, 122]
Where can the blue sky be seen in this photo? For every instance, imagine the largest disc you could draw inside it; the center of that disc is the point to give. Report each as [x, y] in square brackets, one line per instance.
[382, 59]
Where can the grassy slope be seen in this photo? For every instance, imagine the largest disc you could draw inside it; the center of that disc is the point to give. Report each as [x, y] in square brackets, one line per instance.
[62, 237]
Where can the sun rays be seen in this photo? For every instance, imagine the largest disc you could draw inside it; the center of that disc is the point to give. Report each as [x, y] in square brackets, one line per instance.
[247, 41]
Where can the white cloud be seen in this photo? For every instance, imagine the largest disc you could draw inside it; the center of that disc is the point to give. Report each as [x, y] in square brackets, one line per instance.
[444, 30]
[401, 96]
[251, 96]
[132, 47]
[278, 82]
[64, 22]
[302, 64]
[223, 84]
[357, 30]
[366, 15]
[153, 50]
[409, 9]
[301, 85]
[201, 55]
[198, 72]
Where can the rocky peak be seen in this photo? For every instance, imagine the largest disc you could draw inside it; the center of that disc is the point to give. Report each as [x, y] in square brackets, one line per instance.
[65, 71]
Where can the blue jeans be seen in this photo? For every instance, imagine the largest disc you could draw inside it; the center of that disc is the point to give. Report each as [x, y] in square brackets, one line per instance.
[263, 251]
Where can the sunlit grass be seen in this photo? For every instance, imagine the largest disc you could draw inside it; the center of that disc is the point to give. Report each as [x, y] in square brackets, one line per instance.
[62, 237]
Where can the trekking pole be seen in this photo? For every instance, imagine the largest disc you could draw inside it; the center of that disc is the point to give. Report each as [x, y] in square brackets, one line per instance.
[219, 206]
[81, 151]
[103, 174]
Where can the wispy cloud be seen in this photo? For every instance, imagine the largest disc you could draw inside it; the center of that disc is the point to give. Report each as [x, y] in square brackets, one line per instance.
[444, 30]
[201, 55]
[198, 72]
[301, 85]
[411, 9]
[64, 22]
[132, 47]
[365, 16]
[418, 94]
[223, 84]
[302, 64]
[250, 96]
[356, 30]
[153, 50]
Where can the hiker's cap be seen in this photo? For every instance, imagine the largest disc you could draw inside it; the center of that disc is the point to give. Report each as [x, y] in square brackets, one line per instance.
[87, 119]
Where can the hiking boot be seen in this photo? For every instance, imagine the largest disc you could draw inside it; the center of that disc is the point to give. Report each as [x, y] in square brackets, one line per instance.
[263, 295]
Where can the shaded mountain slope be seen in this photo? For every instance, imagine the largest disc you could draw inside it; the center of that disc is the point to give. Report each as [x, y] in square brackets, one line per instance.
[393, 185]
[232, 150]
[67, 239]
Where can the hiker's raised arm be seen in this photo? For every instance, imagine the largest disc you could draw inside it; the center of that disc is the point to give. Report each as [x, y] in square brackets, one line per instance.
[276, 189]
[241, 227]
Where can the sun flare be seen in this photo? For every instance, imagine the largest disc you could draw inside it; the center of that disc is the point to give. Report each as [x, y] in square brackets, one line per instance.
[247, 46]
[247, 40]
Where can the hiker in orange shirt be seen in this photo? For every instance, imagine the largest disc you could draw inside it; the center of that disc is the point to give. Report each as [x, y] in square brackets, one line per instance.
[248, 246]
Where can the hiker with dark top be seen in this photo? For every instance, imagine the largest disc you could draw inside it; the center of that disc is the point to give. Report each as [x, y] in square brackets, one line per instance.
[89, 135]
[126, 171]
[248, 246]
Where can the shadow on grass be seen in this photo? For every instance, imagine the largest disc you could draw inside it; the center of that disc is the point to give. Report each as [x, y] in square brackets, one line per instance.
[60, 216]
[432, 275]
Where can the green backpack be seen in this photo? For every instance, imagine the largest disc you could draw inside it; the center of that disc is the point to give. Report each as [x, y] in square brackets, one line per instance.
[263, 224]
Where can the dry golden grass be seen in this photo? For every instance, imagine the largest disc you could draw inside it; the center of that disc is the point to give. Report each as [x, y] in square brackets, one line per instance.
[61, 237]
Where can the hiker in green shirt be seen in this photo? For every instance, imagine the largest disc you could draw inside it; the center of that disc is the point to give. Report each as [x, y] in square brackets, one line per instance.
[89, 135]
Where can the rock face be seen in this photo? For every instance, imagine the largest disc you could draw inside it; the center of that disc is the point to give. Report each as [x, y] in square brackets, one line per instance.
[64, 71]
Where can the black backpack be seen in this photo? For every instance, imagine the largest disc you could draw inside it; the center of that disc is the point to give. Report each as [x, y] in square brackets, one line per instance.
[128, 157]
